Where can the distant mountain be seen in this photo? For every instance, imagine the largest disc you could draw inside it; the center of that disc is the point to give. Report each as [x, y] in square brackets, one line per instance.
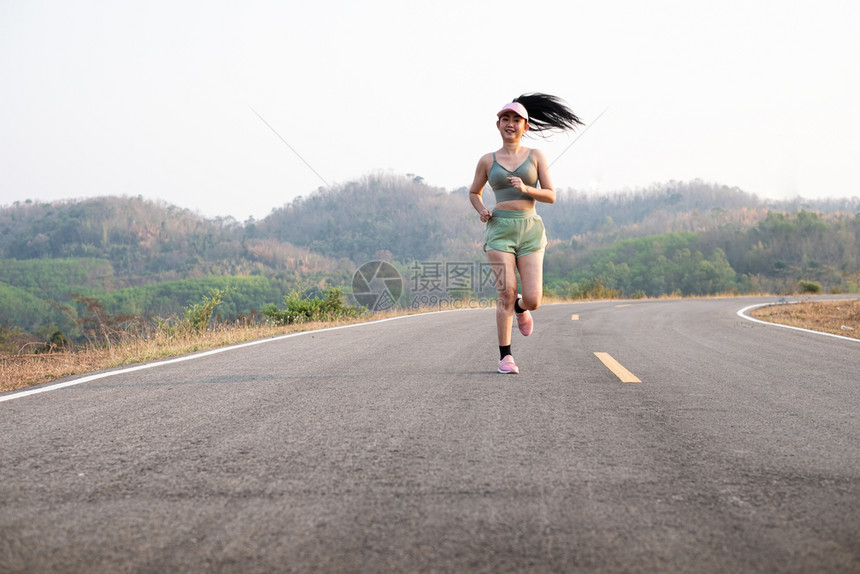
[380, 217]
[146, 241]
[665, 208]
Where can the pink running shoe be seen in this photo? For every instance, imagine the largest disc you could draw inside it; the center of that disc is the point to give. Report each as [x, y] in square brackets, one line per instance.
[524, 321]
[507, 366]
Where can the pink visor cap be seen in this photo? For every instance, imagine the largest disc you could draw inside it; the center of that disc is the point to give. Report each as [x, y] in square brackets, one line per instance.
[515, 107]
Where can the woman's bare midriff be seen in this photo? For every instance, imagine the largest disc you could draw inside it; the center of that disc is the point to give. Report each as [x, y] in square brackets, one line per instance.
[515, 205]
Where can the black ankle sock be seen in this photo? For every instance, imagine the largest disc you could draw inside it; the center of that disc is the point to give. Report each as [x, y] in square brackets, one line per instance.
[517, 307]
[504, 351]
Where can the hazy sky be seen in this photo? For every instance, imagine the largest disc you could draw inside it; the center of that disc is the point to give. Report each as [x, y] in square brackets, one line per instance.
[157, 98]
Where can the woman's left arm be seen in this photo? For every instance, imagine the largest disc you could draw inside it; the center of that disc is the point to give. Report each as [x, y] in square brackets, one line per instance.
[545, 193]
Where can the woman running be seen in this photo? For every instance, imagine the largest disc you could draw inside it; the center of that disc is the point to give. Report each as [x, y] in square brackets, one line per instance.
[515, 238]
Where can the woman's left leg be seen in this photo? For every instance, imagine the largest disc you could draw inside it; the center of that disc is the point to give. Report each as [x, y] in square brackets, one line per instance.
[530, 268]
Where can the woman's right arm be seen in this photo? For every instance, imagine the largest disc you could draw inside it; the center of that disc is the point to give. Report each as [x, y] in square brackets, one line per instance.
[481, 175]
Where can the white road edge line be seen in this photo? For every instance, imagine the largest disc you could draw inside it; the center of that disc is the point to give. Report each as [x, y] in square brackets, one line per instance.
[88, 378]
[742, 314]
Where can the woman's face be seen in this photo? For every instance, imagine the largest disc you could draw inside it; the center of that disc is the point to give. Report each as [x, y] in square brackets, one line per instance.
[512, 125]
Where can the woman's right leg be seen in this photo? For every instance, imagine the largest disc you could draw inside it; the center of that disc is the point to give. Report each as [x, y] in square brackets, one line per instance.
[504, 266]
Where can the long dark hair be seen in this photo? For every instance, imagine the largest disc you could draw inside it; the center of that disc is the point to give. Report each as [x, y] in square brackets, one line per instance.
[548, 113]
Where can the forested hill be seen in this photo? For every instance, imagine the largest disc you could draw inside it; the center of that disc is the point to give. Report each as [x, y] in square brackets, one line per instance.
[380, 217]
[674, 207]
[138, 258]
[146, 241]
[398, 218]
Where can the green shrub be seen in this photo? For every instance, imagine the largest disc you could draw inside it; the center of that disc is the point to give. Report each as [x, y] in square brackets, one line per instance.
[198, 315]
[302, 308]
[809, 286]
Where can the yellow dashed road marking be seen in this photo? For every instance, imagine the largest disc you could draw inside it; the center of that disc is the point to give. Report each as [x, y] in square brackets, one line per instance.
[614, 366]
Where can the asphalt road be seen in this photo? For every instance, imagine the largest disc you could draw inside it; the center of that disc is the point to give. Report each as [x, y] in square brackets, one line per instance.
[395, 447]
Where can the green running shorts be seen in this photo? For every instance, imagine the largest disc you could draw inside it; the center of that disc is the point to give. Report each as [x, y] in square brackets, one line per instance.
[517, 232]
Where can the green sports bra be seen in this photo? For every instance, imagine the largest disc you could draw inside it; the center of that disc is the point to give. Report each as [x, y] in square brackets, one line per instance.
[502, 188]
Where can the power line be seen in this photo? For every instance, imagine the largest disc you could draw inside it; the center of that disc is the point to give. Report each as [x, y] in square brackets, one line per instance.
[582, 133]
[298, 155]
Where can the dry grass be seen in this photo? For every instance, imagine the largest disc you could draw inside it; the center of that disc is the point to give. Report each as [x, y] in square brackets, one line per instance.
[836, 317]
[20, 371]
